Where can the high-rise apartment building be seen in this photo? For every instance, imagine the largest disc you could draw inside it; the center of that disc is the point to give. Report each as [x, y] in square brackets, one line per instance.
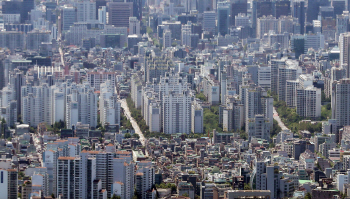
[309, 102]
[340, 102]
[8, 183]
[177, 113]
[109, 105]
[344, 41]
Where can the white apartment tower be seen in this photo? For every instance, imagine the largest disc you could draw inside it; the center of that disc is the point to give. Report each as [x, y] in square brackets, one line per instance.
[109, 105]
[340, 102]
[309, 102]
[344, 41]
[177, 113]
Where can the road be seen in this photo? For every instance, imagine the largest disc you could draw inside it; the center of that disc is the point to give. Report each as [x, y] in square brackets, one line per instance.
[61, 54]
[278, 119]
[132, 121]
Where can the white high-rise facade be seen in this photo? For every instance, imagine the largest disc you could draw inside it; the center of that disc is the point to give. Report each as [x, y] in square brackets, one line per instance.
[109, 105]
[134, 26]
[340, 102]
[344, 40]
[124, 175]
[186, 34]
[309, 102]
[177, 113]
[86, 11]
[102, 15]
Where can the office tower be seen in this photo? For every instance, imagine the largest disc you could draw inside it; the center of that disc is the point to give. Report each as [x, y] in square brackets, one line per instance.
[275, 64]
[344, 40]
[196, 117]
[339, 6]
[19, 82]
[282, 40]
[190, 5]
[309, 102]
[68, 17]
[298, 11]
[86, 11]
[326, 11]
[242, 20]
[238, 6]
[102, 15]
[223, 17]
[204, 5]
[266, 24]
[177, 113]
[186, 34]
[125, 175]
[340, 103]
[109, 105]
[167, 39]
[209, 23]
[119, 13]
[35, 38]
[286, 24]
[315, 41]
[174, 27]
[259, 9]
[313, 7]
[134, 26]
[342, 24]
[282, 8]
[27, 6]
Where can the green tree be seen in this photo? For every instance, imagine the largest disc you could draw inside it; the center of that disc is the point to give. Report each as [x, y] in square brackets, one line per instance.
[52, 195]
[135, 135]
[308, 196]
[201, 96]
[127, 135]
[115, 197]
[247, 186]
[185, 195]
